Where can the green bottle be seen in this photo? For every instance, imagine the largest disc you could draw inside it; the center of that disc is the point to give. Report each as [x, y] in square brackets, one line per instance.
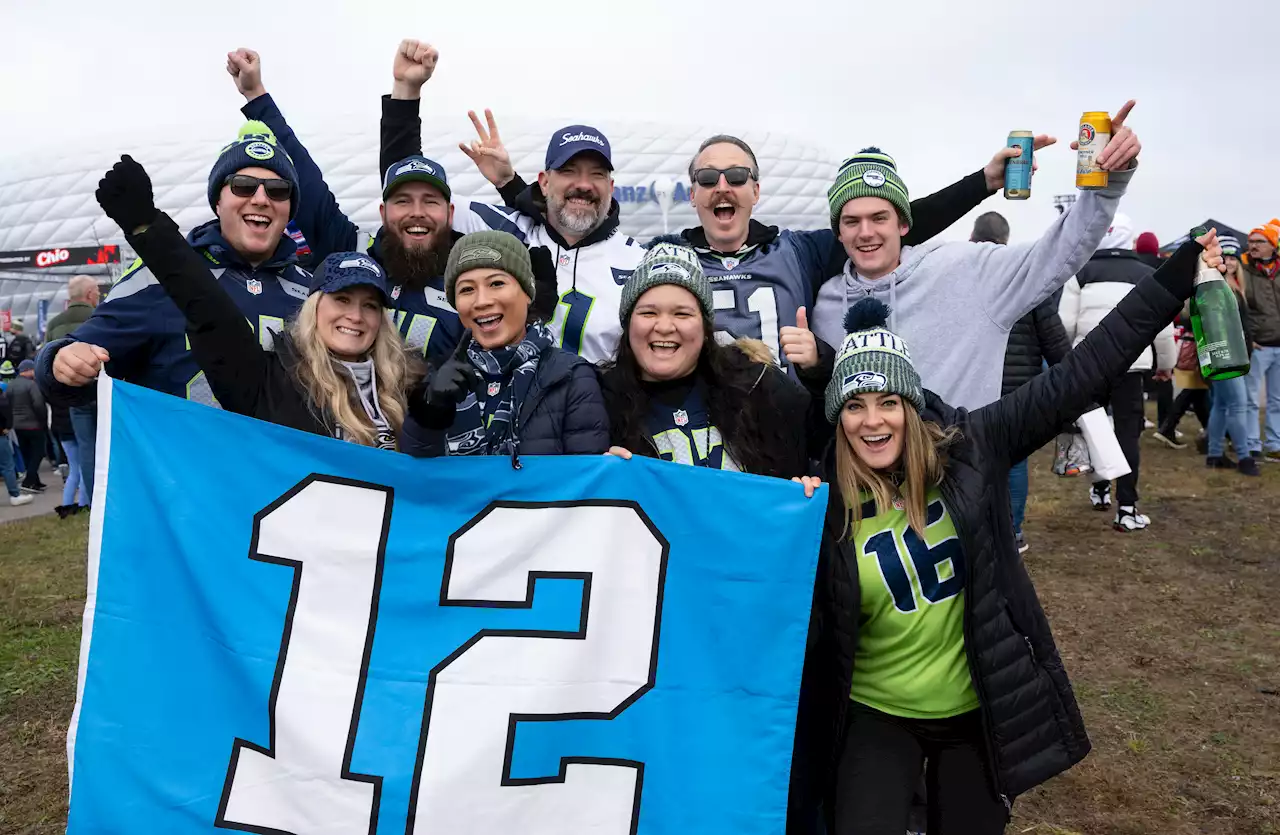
[1215, 321]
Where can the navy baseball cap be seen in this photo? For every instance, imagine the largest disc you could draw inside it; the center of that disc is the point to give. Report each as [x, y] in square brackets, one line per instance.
[349, 269]
[412, 169]
[573, 140]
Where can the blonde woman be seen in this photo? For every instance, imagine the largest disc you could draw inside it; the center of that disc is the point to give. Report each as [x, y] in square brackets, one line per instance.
[933, 648]
[340, 369]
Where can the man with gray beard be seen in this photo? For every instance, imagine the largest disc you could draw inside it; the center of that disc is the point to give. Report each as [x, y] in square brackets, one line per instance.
[570, 210]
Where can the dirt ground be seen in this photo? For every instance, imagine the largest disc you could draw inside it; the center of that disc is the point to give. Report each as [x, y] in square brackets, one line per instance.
[1171, 637]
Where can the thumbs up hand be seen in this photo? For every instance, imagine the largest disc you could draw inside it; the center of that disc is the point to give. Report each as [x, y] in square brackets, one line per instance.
[798, 344]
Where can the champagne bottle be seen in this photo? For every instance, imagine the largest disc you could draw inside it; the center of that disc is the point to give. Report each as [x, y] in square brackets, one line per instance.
[1215, 321]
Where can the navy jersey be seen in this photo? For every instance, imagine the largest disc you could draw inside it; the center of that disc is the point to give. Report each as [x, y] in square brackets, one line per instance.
[145, 333]
[682, 432]
[425, 319]
[758, 290]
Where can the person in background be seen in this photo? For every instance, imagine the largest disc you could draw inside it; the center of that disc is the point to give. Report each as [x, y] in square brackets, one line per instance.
[20, 347]
[507, 389]
[1099, 287]
[1148, 248]
[140, 336]
[83, 297]
[932, 646]
[1193, 393]
[30, 423]
[1261, 269]
[8, 469]
[75, 497]
[674, 392]
[1229, 400]
[1034, 340]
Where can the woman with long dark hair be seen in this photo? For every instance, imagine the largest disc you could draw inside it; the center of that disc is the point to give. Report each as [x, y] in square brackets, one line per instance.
[933, 649]
[674, 392]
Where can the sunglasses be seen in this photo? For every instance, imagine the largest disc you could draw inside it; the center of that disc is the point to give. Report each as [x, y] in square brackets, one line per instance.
[735, 176]
[243, 185]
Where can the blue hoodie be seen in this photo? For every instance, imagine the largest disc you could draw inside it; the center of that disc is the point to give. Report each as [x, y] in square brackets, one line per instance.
[145, 333]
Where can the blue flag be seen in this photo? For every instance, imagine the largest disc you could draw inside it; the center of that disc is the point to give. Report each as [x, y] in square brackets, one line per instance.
[287, 633]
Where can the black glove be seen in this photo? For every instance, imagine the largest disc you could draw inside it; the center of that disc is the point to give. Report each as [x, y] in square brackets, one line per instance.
[125, 195]
[448, 386]
[546, 291]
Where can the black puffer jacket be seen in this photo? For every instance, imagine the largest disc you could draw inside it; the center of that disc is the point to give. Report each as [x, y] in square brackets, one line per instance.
[1034, 339]
[1033, 727]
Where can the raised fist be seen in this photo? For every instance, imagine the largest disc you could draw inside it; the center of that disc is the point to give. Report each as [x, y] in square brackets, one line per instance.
[245, 67]
[415, 62]
[124, 193]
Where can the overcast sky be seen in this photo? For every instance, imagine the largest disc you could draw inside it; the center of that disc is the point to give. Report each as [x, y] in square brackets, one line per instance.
[936, 83]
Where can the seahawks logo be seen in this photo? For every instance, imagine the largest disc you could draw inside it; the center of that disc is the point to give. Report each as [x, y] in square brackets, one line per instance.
[259, 150]
[482, 254]
[873, 178]
[871, 380]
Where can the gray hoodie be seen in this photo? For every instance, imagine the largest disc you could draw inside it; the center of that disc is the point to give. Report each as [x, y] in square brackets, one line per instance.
[954, 303]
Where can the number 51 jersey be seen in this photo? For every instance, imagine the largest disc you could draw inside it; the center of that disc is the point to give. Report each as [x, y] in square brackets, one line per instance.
[757, 290]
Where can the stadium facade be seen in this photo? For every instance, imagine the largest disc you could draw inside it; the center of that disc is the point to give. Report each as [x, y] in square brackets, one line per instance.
[48, 211]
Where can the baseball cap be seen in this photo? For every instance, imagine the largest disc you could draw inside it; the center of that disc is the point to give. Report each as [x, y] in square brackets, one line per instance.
[568, 142]
[349, 269]
[26, 365]
[416, 168]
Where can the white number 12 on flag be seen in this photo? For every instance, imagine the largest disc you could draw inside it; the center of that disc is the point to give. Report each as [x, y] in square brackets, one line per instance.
[333, 534]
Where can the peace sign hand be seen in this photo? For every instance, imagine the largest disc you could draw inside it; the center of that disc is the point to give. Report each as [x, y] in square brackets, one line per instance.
[488, 152]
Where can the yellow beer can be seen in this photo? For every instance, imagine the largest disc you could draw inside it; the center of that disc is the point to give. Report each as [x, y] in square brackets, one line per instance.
[1095, 133]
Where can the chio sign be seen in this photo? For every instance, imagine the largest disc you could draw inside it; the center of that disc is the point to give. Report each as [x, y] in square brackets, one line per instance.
[52, 256]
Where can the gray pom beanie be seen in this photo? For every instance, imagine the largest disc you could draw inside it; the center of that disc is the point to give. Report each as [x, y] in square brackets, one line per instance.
[667, 264]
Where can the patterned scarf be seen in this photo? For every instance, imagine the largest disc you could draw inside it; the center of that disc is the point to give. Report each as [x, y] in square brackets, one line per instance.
[487, 424]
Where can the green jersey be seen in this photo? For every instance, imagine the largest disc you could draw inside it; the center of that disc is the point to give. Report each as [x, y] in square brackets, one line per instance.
[911, 660]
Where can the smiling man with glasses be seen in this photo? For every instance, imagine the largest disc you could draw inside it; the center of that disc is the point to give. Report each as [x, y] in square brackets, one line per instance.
[761, 276]
[140, 335]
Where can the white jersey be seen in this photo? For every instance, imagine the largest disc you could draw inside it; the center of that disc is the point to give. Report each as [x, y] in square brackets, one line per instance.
[589, 276]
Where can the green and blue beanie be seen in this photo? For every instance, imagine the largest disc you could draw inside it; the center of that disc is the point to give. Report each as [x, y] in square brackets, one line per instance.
[489, 248]
[868, 173]
[872, 358]
[255, 146]
[667, 264]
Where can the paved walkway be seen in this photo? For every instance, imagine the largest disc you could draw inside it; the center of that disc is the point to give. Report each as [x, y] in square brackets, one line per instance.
[44, 502]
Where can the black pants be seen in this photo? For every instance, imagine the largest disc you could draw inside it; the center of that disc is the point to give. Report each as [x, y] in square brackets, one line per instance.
[1126, 411]
[880, 770]
[1188, 400]
[1162, 392]
[32, 444]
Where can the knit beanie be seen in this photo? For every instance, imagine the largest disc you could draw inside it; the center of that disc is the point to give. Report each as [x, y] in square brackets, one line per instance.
[871, 358]
[254, 147]
[1230, 245]
[489, 248]
[1270, 231]
[869, 173]
[26, 365]
[1147, 244]
[667, 264]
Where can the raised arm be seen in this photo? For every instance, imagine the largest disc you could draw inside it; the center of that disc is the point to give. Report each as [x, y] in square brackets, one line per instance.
[222, 340]
[1016, 278]
[401, 127]
[323, 223]
[1026, 419]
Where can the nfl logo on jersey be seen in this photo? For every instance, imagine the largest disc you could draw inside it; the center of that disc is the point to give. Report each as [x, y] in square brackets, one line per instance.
[494, 388]
[254, 286]
[681, 417]
[731, 263]
[395, 292]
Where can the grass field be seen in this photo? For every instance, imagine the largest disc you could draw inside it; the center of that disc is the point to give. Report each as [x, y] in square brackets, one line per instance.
[1171, 637]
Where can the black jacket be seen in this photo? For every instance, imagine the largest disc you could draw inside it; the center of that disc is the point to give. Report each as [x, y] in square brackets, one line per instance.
[21, 348]
[243, 377]
[1032, 725]
[562, 413]
[6, 413]
[1035, 338]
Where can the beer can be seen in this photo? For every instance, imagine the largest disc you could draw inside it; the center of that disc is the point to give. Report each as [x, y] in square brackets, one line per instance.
[1017, 170]
[1095, 133]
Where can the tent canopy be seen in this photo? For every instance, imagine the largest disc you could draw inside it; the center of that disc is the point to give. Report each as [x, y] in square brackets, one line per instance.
[1223, 231]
